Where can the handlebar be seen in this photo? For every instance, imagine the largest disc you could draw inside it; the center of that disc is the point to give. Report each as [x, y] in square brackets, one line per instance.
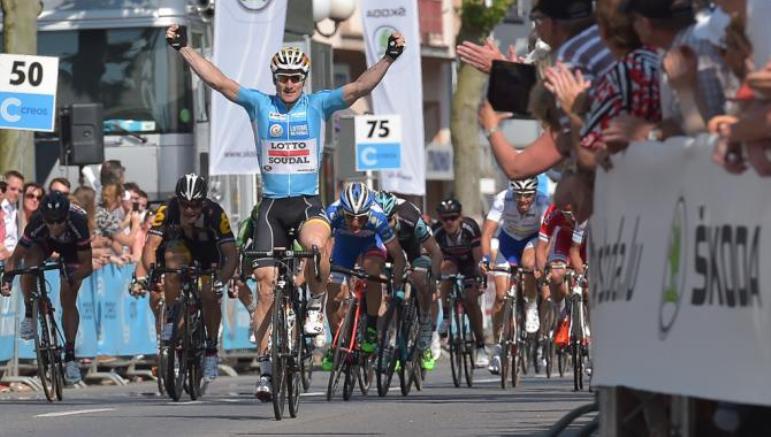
[280, 253]
[33, 269]
[361, 274]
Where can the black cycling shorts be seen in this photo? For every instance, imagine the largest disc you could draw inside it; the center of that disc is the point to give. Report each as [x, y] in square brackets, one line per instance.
[466, 266]
[205, 254]
[277, 216]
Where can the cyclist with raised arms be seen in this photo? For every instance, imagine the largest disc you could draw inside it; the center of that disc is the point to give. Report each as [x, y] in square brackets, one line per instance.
[362, 236]
[516, 215]
[459, 238]
[190, 228]
[416, 238]
[287, 128]
[57, 226]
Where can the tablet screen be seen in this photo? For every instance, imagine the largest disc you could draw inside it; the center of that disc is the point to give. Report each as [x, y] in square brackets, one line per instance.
[509, 87]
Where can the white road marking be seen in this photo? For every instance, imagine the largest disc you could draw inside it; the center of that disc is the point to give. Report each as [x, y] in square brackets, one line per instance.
[310, 394]
[76, 412]
[184, 403]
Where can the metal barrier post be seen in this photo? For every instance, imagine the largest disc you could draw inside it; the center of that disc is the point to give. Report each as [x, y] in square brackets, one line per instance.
[11, 373]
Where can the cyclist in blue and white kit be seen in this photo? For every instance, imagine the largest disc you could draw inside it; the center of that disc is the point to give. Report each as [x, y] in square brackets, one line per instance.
[363, 236]
[517, 213]
[288, 139]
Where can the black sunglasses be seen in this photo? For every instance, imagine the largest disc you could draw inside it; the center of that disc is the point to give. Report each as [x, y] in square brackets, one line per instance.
[449, 218]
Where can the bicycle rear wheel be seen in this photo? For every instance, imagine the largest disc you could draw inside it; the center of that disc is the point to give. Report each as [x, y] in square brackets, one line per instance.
[306, 363]
[278, 354]
[366, 366]
[163, 352]
[56, 356]
[344, 341]
[388, 350]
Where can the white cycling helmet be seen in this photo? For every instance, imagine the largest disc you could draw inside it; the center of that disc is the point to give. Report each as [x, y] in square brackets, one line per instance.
[524, 186]
[290, 60]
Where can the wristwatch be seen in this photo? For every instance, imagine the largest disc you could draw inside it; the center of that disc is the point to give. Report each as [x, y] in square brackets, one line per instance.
[492, 130]
[655, 134]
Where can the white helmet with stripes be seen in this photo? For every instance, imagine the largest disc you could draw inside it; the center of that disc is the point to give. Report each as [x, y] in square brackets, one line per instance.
[356, 198]
[290, 60]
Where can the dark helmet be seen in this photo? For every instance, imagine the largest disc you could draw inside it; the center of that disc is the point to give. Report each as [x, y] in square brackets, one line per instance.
[191, 187]
[54, 206]
[449, 207]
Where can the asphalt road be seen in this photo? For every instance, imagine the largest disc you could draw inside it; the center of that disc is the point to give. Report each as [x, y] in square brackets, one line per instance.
[229, 409]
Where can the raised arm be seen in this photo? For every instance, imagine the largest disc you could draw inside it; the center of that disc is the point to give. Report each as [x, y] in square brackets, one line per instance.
[368, 80]
[208, 72]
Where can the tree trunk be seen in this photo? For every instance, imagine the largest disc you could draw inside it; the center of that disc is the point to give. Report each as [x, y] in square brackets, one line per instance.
[17, 148]
[464, 131]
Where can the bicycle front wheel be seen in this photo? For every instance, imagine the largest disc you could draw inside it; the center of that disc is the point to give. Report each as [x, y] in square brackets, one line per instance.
[297, 357]
[343, 347]
[468, 345]
[197, 343]
[278, 354]
[454, 342]
[388, 349]
[505, 345]
[179, 350]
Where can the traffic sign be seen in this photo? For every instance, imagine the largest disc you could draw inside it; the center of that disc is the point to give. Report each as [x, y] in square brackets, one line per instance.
[378, 142]
[28, 92]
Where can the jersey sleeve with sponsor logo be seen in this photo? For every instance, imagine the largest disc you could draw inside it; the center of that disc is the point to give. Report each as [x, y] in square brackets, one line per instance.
[78, 226]
[218, 223]
[471, 228]
[34, 231]
[579, 233]
[496, 211]
[551, 221]
[164, 216]
[379, 222]
[410, 214]
[328, 101]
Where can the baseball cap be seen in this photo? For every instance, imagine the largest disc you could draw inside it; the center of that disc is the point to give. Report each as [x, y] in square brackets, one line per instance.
[564, 9]
[658, 8]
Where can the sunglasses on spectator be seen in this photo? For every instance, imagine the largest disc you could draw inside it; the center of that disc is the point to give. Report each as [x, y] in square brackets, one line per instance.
[295, 78]
[195, 204]
[32, 196]
[449, 218]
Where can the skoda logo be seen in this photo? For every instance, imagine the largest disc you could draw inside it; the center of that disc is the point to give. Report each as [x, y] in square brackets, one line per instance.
[381, 38]
[675, 268]
[254, 5]
[276, 130]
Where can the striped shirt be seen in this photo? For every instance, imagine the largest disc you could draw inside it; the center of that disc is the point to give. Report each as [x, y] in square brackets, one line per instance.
[587, 53]
[630, 87]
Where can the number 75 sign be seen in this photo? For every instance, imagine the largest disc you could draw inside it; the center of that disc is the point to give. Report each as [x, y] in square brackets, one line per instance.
[378, 142]
[28, 92]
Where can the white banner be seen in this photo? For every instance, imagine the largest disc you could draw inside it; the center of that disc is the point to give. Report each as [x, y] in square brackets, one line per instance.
[246, 35]
[680, 293]
[401, 91]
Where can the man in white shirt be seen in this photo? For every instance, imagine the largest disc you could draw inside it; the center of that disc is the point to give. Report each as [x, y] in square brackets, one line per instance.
[15, 182]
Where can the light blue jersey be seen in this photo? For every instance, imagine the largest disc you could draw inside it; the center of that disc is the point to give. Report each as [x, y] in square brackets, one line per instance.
[290, 143]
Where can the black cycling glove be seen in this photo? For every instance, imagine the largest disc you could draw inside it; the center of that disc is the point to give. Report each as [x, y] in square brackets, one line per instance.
[393, 51]
[179, 40]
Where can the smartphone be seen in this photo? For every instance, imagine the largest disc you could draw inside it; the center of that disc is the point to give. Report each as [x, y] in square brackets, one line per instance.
[509, 87]
[135, 206]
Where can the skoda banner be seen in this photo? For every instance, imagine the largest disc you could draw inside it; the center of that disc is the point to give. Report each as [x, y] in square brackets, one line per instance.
[401, 91]
[678, 255]
[246, 35]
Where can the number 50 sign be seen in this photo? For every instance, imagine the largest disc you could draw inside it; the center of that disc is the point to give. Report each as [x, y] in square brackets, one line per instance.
[28, 92]
[378, 142]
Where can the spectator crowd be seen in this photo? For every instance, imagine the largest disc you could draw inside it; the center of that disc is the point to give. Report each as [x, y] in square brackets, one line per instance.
[623, 71]
[118, 212]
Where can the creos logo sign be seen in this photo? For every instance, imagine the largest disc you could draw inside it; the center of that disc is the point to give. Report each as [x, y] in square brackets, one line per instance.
[380, 38]
[675, 269]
